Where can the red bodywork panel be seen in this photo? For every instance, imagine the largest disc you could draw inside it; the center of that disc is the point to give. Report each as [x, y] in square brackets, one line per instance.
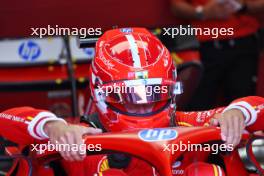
[153, 152]
[40, 73]
[48, 76]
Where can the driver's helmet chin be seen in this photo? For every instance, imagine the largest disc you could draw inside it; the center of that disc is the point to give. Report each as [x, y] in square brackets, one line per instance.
[133, 80]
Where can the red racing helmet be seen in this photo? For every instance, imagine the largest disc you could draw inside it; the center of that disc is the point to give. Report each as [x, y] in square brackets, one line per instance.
[133, 80]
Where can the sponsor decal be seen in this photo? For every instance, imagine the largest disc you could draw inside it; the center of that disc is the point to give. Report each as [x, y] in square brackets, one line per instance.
[177, 171]
[29, 50]
[103, 165]
[175, 168]
[131, 75]
[141, 75]
[107, 63]
[126, 30]
[90, 52]
[176, 164]
[14, 118]
[157, 134]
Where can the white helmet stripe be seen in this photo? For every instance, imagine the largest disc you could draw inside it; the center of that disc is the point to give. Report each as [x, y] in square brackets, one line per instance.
[134, 51]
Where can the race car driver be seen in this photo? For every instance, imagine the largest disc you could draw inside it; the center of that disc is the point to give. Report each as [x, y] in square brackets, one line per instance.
[130, 58]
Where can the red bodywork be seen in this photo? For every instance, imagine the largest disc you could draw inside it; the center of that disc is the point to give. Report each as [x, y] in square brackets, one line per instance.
[46, 77]
[154, 152]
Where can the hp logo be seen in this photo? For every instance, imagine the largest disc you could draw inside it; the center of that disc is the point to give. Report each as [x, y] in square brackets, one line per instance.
[158, 134]
[126, 30]
[29, 50]
[90, 52]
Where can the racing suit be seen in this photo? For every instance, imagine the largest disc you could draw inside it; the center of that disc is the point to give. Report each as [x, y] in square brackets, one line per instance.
[24, 126]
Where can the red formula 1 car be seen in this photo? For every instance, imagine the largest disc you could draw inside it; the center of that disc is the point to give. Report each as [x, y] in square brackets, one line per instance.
[163, 148]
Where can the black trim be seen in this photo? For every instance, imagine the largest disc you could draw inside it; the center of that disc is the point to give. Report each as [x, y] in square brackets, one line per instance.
[57, 168]
[94, 118]
[71, 77]
[183, 66]
[118, 160]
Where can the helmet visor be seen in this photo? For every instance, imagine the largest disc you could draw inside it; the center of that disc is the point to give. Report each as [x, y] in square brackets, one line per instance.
[140, 91]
